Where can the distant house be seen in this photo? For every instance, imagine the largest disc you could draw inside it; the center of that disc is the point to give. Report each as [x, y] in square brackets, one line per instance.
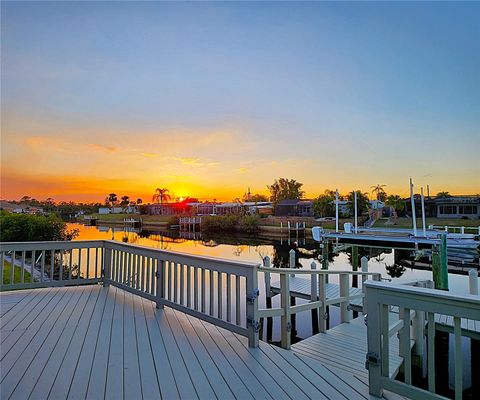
[233, 208]
[104, 210]
[169, 208]
[294, 208]
[447, 207]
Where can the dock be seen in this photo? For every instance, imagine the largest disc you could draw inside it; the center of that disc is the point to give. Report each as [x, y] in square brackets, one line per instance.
[344, 347]
[94, 342]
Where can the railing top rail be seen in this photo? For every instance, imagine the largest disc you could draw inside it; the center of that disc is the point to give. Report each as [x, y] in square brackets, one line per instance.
[176, 254]
[49, 245]
[425, 293]
[295, 271]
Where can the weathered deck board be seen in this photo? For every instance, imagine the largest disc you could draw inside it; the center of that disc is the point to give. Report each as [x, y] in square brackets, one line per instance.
[94, 342]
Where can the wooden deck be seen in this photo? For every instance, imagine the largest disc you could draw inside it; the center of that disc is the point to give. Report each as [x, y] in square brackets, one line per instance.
[344, 347]
[300, 286]
[94, 342]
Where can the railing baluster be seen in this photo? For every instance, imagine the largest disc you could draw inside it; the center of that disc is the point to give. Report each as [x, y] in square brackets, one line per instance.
[12, 270]
[404, 344]
[152, 269]
[204, 300]
[175, 281]
[79, 270]
[52, 263]
[88, 263]
[32, 267]
[237, 300]
[42, 267]
[70, 265]
[457, 332]
[220, 297]
[96, 262]
[124, 267]
[60, 267]
[22, 271]
[143, 286]
[195, 288]
[189, 286]
[211, 293]
[344, 292]
[229, 297]
[181, 268]
[170, 280]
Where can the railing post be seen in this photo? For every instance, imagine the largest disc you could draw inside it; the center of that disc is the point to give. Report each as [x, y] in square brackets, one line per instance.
[322, 281]
[344, 292]
[107, 265]
[374, 343]
[313, 283]
[286, 324]
[160, 276]
[253, 324]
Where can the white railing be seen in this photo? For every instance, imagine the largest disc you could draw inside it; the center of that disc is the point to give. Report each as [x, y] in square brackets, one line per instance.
[222, 292]
[318, 300]
[410, 300]
[456, 229]
[46, 264]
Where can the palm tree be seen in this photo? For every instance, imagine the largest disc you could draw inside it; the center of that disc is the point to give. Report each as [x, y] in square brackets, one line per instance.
[112, 198]
[380, 192]
[125, 200]
[139, 201]
[444, 195]
[160, 195]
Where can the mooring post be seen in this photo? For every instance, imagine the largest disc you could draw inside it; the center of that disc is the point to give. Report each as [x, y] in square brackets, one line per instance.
[292, 260]
[439, 263]
[473, 282]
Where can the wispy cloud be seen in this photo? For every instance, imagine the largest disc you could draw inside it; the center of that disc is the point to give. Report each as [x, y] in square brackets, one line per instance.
[195, 162]
[101, 147]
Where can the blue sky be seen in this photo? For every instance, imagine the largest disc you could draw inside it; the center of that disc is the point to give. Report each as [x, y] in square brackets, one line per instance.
[227, 95]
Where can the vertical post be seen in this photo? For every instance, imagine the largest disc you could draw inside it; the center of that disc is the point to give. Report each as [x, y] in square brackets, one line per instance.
[473, 282]
[439, 264]
[462, 230]
[323, 297]
[160, 277]
[267, 264]
[336, 210]
[314, 296]
[364, 265]
[355, 210]
[291, 260]
[373, 343]
[313, 283]
[423, 214]
[281, 227]
[252, 307]
[344, 292]
[286, 325]
[107, 264]
[414, 217]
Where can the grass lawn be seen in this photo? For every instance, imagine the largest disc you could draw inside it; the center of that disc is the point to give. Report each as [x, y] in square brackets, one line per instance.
[16, 274]
[121, 217]
[407, 222]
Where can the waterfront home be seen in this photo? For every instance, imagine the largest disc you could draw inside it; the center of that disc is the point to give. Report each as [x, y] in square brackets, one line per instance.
[294, 208]
[464, 206]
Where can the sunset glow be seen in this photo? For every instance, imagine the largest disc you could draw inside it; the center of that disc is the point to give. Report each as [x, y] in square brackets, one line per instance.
[208, 100]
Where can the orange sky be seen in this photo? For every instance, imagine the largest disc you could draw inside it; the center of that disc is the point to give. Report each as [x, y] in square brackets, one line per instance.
[210, 99]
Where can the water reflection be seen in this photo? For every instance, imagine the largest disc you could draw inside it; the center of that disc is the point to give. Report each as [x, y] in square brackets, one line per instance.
[391, 264]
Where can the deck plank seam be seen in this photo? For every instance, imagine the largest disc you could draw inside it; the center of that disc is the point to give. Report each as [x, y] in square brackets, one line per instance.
[69, 344]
